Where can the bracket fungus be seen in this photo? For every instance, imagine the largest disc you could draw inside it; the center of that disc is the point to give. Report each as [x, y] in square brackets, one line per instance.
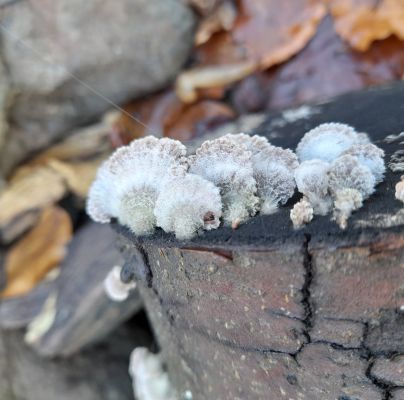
[153, 183]
[188, 204]
[339, 169]
[150, 381]
[129, 182]
[273, 170]
[115, 288]
[228, 166]
[400, 189]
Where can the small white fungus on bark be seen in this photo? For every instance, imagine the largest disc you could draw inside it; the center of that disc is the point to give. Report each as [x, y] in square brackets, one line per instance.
[301, 213]
[187, 205]
[400, 189]
[150, 381]
[228, 166]
[115, 288]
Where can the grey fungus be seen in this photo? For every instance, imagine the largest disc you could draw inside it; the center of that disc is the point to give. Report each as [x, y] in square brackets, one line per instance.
[188, 204]
[153, 183]
[400, 189]
[301, 213]
[312, 180]
[229, 167]
[328, 141]
[129, 182]
[339, 169]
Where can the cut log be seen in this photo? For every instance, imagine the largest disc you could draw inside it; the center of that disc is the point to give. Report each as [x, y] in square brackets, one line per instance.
[266, 312]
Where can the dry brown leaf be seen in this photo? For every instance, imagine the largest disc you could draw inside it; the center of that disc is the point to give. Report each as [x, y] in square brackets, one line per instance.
[38, 252]
[361, 22]
[222, 19]
[188, 82]
[325, 68]
[267, 32]
[272, 31]
[77, 175]
[22, 200]
[198, 118]
[165, 113]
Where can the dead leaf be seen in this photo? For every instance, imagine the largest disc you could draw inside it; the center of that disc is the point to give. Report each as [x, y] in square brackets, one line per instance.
[325, 68]
[38, 252]
[272, 31]
[221, 19]
[220, 49]
[83, 144]
[266, 32]
[23, 198]
[165, 113]
[210, 77]
[199, 118]
[361, 22]
[78, 175]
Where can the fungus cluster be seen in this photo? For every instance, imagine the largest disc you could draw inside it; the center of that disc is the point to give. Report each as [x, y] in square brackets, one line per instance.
[339, 169]
[154, 183]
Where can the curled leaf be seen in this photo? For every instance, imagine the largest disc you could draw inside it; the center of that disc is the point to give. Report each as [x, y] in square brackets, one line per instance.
[24, 197]
[77, 175]
[38, 252]
[361, 23]
[190, 81]
[222, 19]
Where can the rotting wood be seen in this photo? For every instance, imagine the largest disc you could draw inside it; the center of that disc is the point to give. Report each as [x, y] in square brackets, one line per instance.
[268, 312]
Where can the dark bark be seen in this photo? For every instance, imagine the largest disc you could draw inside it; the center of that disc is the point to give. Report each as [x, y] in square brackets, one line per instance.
[266, 312]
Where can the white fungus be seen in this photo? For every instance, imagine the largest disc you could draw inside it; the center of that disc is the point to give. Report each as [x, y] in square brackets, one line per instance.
[301, 213]
[339, 169]
[115, 288]
[128, 184]
[371, 156]
[346, 201]
[188, 204]
[150, 381]
[229, 167]
[400, 189]
[312, 180]
[328, 141]
[273, 170]
[346, 172]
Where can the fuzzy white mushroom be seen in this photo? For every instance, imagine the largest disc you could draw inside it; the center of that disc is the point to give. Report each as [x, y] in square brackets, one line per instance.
[301, 213]
[371, 156]
[229, 167]
[254, 143]
[150, 381]
[115, 288]
[188, 204]
[312, 180]
[346, 201]
[328, 141]
[348, 173]
[400, 189]
[129, 182]
[273, 170]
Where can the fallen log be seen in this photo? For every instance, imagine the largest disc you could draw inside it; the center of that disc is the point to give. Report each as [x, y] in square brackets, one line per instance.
[269, 312]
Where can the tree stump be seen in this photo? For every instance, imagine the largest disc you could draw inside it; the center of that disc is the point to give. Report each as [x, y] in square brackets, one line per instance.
[268, 312]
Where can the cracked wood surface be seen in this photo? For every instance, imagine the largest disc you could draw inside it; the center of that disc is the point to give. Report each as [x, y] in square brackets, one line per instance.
[266, 312]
